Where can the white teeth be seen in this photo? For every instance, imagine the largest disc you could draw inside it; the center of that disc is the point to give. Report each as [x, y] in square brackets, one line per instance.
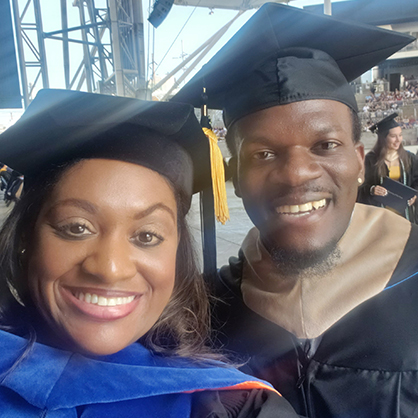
[303, 208]
[319, 204]
[102, 301]
[306, 207]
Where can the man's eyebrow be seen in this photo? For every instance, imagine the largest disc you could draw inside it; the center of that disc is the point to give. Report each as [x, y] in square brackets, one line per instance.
[153, 208]
[328, 129]
[255, 140]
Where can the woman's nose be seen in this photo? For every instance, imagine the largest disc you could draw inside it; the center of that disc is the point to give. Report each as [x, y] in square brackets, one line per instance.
[110, 260]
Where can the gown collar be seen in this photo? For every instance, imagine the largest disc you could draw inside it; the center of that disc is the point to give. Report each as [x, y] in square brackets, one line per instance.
[46, 377]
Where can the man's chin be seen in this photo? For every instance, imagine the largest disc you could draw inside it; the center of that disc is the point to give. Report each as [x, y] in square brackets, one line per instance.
[292, 262]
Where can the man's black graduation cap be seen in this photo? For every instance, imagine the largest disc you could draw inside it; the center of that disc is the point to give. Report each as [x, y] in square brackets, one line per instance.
[61, 126]
[284, 54]
[385, 124]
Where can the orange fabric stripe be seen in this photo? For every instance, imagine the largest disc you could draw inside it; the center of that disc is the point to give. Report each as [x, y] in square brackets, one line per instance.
[241, 386]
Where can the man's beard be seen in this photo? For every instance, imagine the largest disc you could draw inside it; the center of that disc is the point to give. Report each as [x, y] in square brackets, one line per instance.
[313, 263]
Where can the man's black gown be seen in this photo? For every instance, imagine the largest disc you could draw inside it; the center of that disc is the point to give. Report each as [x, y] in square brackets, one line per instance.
[364, 366]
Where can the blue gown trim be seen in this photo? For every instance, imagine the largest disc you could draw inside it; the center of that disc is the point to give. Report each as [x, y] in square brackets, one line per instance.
[47, 378]
[404, 280]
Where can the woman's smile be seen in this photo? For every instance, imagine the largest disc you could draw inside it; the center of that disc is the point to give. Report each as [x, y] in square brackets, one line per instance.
[95, 306]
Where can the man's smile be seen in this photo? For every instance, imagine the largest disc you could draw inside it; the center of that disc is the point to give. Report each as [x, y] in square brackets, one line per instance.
[303, 208]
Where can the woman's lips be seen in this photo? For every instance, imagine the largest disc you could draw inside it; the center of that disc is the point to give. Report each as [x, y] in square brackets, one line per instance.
[97, 306]
[95, 299]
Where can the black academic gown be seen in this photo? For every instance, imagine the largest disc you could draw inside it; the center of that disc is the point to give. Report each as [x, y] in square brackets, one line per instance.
[364, 366]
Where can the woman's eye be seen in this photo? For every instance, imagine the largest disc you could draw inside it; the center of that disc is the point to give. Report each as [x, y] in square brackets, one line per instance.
[74, 230]
[147, 238]
[77, 229]
[263, 155]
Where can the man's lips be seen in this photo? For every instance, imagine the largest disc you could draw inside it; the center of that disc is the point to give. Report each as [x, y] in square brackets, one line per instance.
[102, 305]
[302, 208]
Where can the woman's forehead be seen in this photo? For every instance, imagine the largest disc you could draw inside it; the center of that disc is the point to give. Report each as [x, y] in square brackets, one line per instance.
[112, 183]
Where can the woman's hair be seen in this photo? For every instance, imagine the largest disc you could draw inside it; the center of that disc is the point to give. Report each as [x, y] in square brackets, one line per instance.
[380, 149]
[182, 328]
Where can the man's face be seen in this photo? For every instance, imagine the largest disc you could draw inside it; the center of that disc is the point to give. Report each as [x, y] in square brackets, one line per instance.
[297, 174]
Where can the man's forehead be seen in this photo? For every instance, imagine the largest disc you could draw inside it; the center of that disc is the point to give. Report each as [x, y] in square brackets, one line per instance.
[313, 116]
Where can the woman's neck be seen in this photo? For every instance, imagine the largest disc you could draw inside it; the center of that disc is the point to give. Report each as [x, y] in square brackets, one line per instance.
[391, 155]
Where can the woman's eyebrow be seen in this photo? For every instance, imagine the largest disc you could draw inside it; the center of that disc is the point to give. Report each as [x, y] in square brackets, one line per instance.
[153, 208]
[90, 208]
[78, 203]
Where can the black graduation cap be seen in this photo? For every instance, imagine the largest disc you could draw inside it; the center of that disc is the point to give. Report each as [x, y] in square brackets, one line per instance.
[284, 54]
[61, 126]
[385, 124]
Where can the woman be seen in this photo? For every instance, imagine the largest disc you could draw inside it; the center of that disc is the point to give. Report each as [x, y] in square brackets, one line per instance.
[103, 311]
[388, 158]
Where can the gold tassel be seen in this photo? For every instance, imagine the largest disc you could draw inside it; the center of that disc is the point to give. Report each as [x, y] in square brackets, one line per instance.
[218, 177]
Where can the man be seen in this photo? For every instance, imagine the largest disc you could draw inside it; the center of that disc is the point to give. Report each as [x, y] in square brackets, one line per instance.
[322, 300]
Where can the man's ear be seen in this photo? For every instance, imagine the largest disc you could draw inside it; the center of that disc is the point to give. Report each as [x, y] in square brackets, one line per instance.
[233, 172]
[359, 148]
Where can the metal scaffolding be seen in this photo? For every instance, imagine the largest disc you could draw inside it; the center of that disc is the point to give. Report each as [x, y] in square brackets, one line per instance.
[111, 37]
[104, 51]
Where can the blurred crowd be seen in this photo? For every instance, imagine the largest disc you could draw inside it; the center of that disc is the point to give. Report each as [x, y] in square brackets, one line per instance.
[380, 104]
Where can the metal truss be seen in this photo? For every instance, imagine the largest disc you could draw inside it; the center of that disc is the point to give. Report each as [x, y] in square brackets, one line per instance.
[30, 47]
[104, 53]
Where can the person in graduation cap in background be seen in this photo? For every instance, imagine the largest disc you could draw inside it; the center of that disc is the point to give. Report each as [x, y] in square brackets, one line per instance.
[103, 311]
[388, 158]
[322, 300]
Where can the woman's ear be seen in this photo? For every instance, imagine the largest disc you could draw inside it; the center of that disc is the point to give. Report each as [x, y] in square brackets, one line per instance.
[22, 247]
[18, 286]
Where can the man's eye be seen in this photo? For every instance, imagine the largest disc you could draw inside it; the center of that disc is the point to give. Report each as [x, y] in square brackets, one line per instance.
[263, 155]
[329, 145]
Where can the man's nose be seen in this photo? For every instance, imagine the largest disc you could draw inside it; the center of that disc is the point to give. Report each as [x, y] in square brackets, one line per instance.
[110, 260]
[297, 167]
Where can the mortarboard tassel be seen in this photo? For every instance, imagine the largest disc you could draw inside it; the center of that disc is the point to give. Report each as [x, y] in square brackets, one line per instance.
[218, 177]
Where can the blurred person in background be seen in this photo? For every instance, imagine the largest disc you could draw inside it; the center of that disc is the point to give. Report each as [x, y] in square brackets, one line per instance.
[389, 158]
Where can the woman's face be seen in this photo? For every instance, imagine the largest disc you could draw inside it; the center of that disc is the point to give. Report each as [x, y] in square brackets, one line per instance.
[102, 264]
[394, 138]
